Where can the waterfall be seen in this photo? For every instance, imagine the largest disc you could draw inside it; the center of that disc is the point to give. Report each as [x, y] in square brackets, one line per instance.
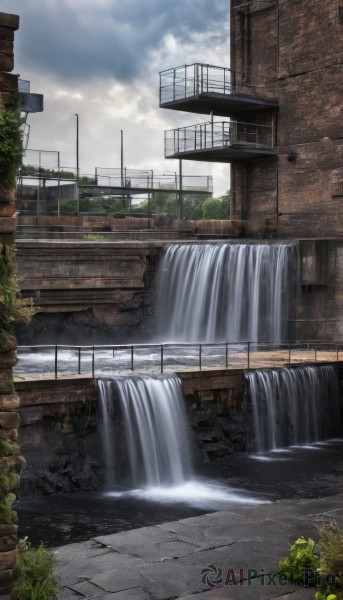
[145, 442]
[147, 414]
[293, 406]
[227, 292]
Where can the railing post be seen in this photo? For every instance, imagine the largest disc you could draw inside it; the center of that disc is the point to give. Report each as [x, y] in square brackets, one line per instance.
[93, 363]
[196, 77]
[226, 354]
[162, 356]
[79, 362]
[200, 356]
[248, 355]
[56, 362]
[131, 358]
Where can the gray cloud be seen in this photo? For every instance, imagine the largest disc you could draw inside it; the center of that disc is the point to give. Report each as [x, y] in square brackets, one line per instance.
[77, 39]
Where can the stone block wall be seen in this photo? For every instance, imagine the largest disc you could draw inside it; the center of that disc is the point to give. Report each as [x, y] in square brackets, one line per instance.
[9, 400]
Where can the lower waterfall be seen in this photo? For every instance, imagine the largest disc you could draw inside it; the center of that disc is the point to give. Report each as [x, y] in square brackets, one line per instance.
[294, 406]
[156, 436]
[146, 444]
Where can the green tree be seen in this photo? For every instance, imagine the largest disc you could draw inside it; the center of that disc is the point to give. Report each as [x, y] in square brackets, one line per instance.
[216, 208]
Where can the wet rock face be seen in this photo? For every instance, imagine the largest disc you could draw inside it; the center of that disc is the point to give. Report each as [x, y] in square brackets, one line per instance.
[222, 423]
[61, 454]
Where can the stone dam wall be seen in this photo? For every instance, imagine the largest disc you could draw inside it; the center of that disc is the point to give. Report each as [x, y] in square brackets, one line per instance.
[104, 292]
[59, 438]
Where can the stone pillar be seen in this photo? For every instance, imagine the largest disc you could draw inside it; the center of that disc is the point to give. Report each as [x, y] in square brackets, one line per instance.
[9, 401]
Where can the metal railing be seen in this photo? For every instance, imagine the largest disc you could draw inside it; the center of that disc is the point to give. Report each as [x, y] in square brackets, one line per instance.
[214, 135]
[152, 180]
[92, 361]
[187, 81]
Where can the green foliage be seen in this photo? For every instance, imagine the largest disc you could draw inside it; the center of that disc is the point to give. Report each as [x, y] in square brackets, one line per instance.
[8, 448]
[301, 557]
[216, 208]
[11, 146]
[36, 171]
[8, 481]
[102, 204]
[7, 515]
[12, 307]
[330, 548]
[320, 596]
[34, 574]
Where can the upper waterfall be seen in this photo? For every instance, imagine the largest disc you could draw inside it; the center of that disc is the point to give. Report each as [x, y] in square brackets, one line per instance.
[227, 292]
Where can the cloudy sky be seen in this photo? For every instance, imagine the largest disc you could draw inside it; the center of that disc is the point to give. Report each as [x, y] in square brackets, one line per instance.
[101, 59]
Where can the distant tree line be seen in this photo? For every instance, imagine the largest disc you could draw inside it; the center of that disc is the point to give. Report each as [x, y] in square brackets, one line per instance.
[194, 206]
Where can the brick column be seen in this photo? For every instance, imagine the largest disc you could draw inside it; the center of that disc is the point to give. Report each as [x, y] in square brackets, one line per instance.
[9, 401]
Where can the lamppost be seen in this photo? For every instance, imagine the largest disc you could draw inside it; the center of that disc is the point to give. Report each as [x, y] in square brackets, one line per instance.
[77, 147]
[77, 163]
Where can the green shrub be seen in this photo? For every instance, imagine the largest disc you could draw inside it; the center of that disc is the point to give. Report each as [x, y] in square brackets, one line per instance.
[330, 548]
[34, 574]
[11, 146]
[301, 558]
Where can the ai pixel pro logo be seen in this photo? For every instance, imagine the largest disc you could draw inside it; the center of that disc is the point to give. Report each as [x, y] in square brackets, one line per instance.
[213, 576]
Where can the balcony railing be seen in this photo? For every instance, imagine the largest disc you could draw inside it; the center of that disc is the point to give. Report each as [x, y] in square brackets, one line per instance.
[29, 103]
[217, 135]
[152, 180]
[187, 81]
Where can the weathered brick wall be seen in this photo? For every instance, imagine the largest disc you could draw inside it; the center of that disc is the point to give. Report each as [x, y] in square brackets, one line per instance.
[293, 52]
[9, 400]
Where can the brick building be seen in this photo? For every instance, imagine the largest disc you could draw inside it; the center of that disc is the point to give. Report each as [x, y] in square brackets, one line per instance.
[291, 51]
[283, 96]
[282, 133]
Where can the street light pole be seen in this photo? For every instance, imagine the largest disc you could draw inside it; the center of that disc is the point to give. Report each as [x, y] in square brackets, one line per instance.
[77, 147]
[122, 158]
[77, 163]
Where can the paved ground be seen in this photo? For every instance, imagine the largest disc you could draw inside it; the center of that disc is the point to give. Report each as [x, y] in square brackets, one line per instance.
[182, 559]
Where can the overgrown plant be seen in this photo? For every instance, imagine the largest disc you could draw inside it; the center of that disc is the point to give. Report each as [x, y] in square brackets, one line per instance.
[11, 144]
[320, 565]
[33, 573]
[13, 309]
[330, 547]
[302, 560]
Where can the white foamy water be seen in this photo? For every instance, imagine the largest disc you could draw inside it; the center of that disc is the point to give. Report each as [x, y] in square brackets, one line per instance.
[199, 494]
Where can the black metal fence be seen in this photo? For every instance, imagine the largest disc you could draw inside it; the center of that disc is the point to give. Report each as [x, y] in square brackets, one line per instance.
[92, 361]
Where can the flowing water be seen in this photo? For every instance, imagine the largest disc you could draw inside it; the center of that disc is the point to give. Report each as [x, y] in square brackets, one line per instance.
[294, 406]
[227, 292]
[146, 444]
[151, 413]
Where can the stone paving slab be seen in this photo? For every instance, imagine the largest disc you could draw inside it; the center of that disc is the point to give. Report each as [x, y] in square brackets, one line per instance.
[152, 543]
[196, 558]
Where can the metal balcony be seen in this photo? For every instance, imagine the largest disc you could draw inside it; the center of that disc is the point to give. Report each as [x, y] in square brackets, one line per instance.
[29, 103]
[200, 88]
[224, 141]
